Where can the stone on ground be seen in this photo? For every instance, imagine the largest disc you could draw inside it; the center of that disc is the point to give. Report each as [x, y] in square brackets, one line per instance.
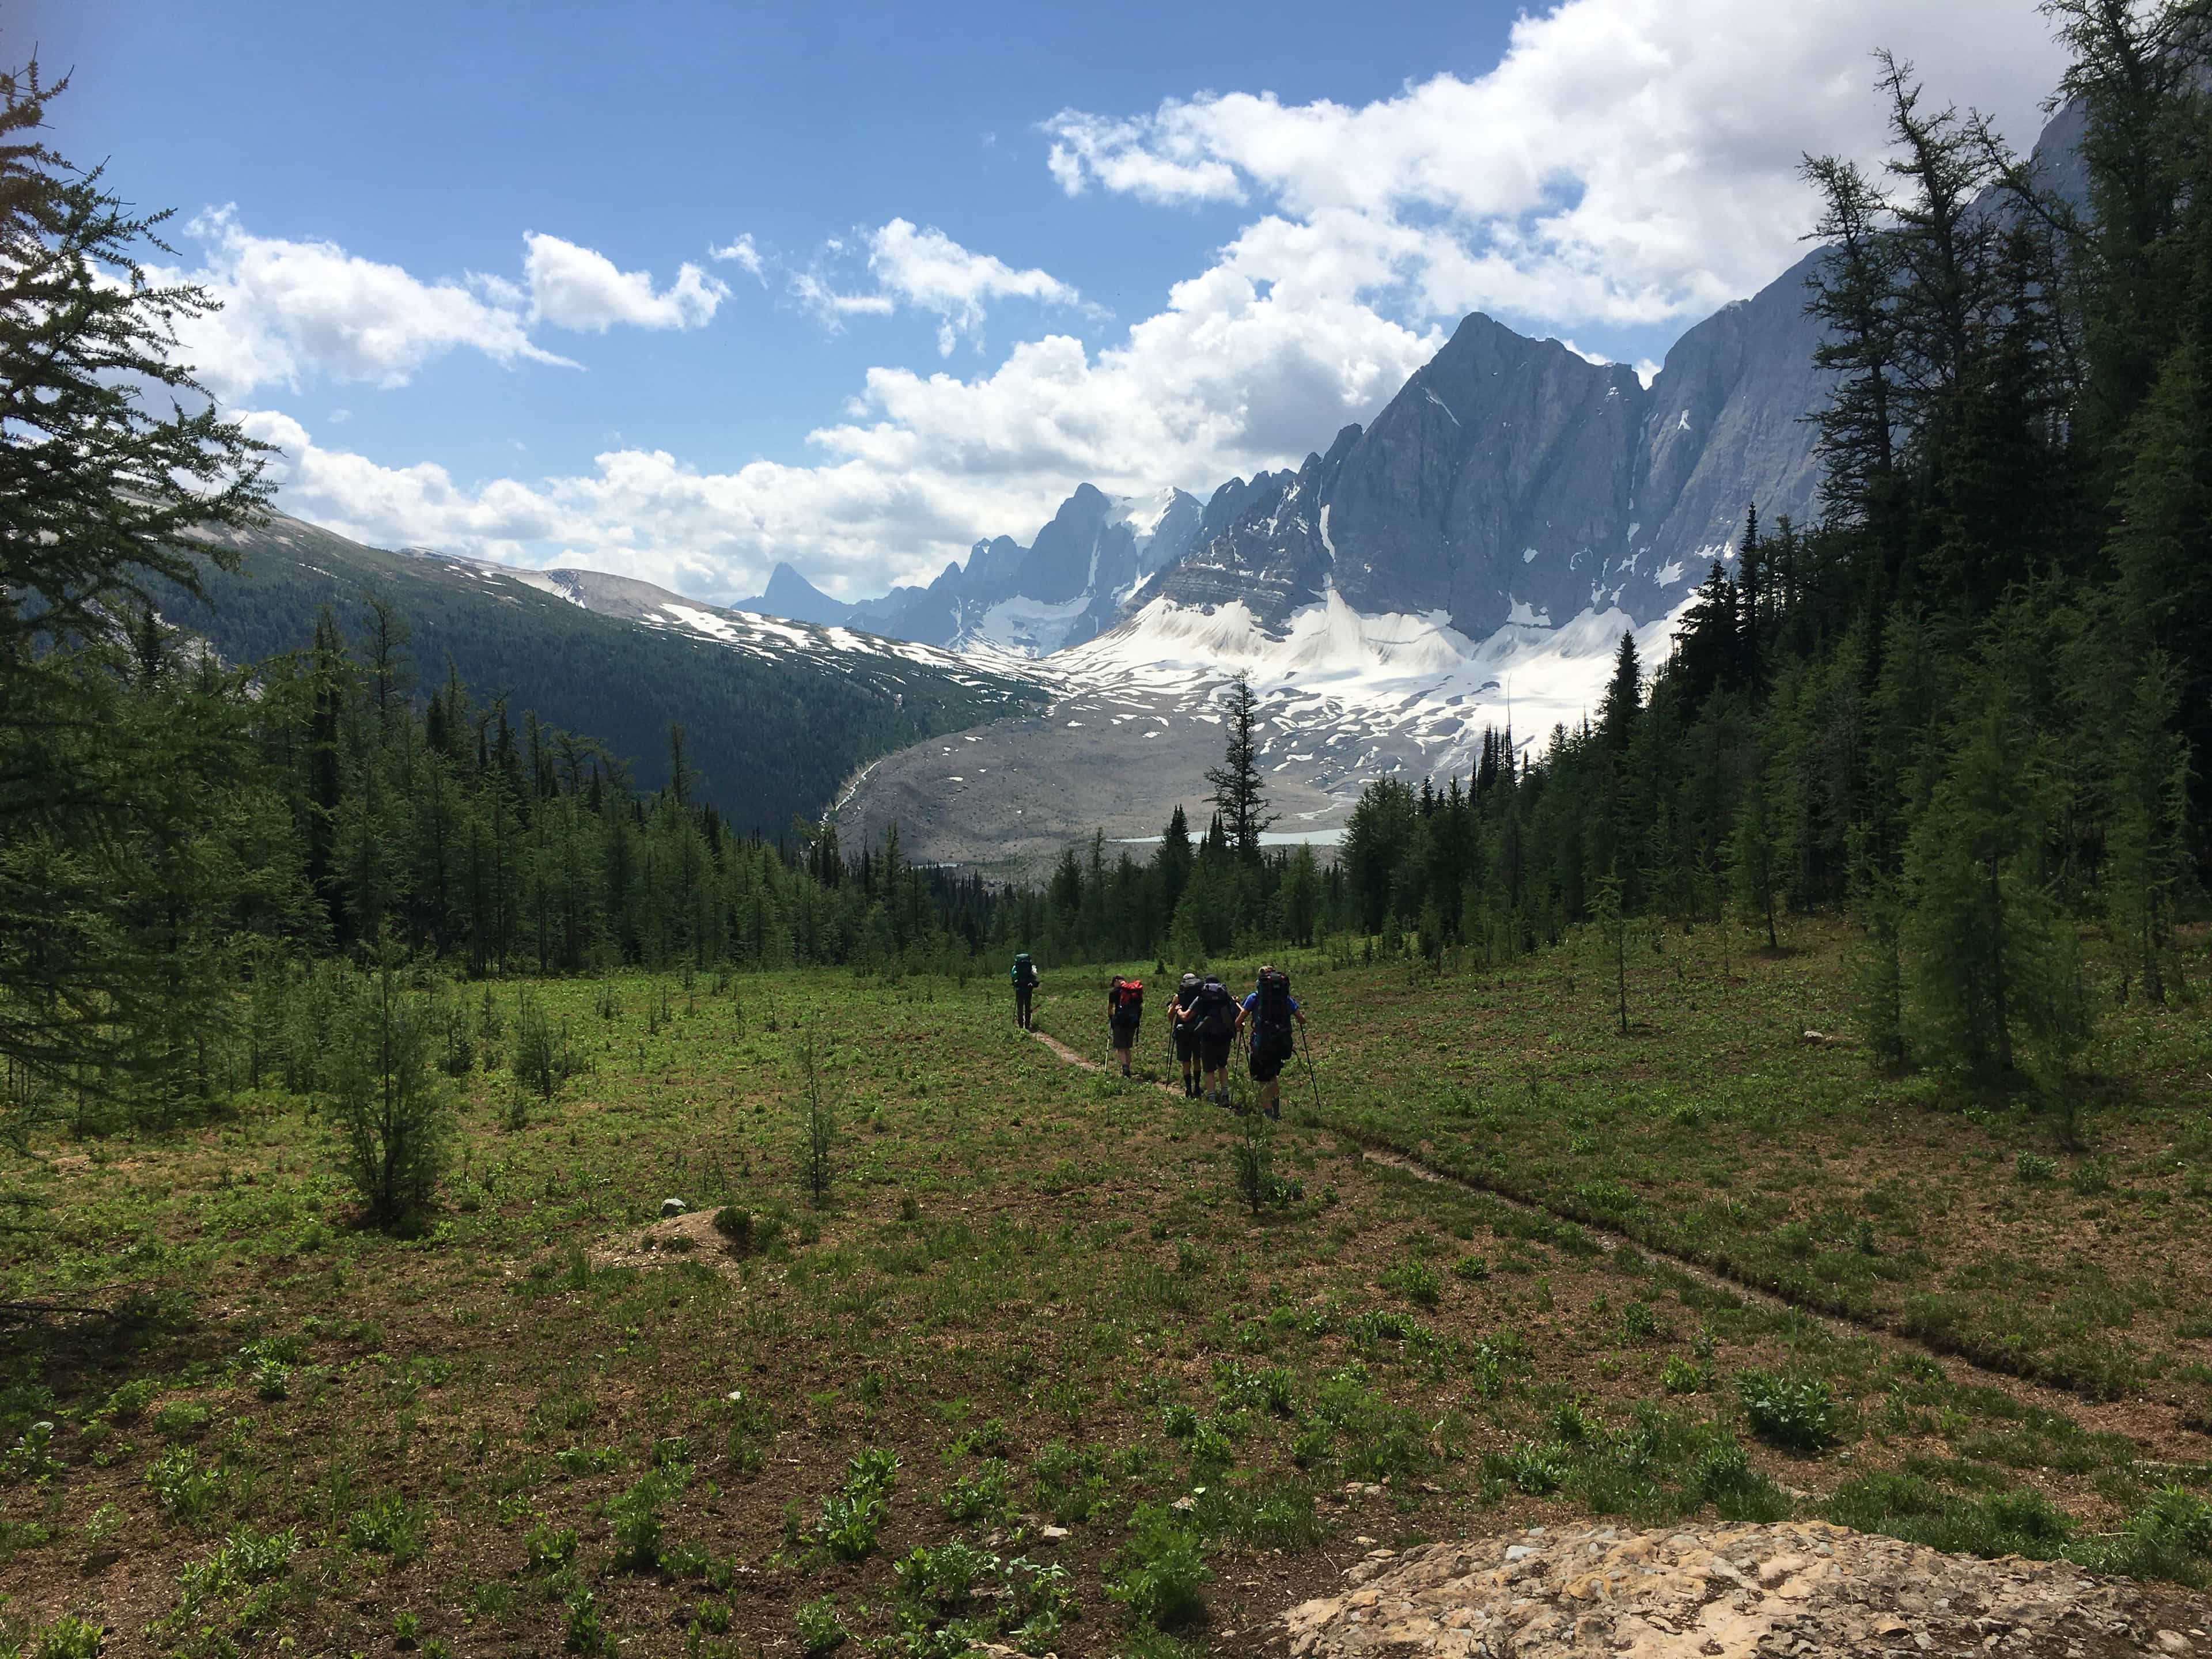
[1805, 1590]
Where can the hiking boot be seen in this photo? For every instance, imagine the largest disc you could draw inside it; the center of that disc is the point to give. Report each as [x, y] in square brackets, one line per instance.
[1276, 1113]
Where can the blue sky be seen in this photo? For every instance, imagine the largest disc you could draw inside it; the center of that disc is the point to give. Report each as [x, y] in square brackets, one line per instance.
[987, 251]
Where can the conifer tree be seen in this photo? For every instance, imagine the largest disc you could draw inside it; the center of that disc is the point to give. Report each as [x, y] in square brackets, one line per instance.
[119, 782]
[1624, 697]
[1238, 793]
[1991, 965]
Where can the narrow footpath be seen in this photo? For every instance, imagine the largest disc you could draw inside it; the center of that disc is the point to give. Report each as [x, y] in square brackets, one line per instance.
[2125, 1417]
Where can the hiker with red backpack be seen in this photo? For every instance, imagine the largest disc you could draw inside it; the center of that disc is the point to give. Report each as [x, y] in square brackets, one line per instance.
[1270, 1010]
[1125, 1006]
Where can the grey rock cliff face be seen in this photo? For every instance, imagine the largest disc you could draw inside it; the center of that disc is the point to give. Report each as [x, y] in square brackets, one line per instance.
[1728, 425]
[1512, 477]
[1271, 554]
[1499, 448]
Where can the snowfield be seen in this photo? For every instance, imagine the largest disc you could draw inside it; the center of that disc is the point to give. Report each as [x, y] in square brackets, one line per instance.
[1136, 720]
[1392, 680]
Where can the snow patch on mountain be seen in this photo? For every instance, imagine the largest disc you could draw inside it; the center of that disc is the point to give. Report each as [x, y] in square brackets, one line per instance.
[1027, 627]
[1350, 696]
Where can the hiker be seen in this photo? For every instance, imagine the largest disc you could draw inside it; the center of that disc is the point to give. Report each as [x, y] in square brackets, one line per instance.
[1026, 983]
[1270, 1009]
[1217, 1030]
[1183, 1028]
[1125, 1006]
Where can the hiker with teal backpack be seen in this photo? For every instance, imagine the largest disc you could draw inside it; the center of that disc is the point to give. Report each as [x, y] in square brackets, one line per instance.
[1025, 982]
[1270, 1010]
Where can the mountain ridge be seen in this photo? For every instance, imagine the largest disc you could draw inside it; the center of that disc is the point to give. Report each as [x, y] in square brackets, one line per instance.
[780, 715]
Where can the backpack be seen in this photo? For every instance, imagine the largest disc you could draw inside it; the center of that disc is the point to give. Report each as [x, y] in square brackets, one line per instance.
[1271, 1014]
[1216, 1009]
[1186, 1008]
[1125, 1002]
[1025, 973]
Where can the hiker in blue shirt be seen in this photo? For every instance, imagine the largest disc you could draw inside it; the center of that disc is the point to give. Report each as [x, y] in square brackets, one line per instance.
[1269, 1011]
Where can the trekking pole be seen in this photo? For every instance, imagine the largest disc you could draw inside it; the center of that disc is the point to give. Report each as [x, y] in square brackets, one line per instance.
[1305, 1046]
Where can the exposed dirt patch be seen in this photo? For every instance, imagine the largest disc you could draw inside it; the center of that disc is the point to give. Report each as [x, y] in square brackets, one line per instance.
[691, 1237]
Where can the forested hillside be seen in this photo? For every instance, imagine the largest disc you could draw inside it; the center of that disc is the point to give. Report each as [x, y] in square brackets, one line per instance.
[769, 739]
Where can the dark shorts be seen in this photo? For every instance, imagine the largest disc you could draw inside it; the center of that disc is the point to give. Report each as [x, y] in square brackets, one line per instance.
[1186, 1042]
[1124, 1037]
[1267, 1061]
[1213, 1052]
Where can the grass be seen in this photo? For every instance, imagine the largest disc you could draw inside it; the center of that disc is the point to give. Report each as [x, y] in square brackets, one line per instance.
[1036, 1367]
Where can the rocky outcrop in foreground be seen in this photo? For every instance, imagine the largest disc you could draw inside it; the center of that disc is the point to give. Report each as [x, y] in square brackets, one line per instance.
[1803, 1589]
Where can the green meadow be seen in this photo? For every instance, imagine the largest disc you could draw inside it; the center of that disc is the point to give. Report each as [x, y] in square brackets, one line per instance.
[1000, 1349]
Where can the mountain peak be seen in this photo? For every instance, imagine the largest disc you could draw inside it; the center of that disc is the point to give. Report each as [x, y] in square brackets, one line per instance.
[791, 596]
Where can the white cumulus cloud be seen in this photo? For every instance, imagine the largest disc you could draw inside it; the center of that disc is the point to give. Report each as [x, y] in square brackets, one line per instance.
[289, 306]
[294, 307]
[930, 271]
[1627, 162]
[580, 288]
[1227, 379]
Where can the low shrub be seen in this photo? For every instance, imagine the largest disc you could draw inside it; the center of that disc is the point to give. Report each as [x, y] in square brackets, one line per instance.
[1797, 1413]
[819, 1628]
[1910, 1506]
[978, 1497]
[1680, 1376]
[1416, 1281]
[1070, 1482]
[635, 1518]
[181, 1489]
[387, 1525]
[1163, 1582]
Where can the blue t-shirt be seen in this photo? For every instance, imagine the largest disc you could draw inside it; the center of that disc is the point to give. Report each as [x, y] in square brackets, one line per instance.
[1252, 1008]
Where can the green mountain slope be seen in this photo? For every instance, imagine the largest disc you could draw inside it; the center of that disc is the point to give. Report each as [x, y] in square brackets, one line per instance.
[777, 714]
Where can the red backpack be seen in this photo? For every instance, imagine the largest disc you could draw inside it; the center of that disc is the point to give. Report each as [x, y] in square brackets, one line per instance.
[1125, 1001]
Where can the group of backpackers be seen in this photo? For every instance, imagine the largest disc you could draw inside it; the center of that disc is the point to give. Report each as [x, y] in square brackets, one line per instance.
[1204, 1021]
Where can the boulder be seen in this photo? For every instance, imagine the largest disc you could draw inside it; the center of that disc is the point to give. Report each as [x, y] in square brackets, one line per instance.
[1805, 1590]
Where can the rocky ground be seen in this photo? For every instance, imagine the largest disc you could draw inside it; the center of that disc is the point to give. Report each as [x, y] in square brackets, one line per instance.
[1005, 798]
[1805, 1590]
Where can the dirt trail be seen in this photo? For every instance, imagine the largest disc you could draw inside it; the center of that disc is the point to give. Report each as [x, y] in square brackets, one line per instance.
[1086, 1063]
[2152, 1424]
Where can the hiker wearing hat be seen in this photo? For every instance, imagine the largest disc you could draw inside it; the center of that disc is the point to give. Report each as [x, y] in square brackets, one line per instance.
[1025, 978]
[1183, 1028]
